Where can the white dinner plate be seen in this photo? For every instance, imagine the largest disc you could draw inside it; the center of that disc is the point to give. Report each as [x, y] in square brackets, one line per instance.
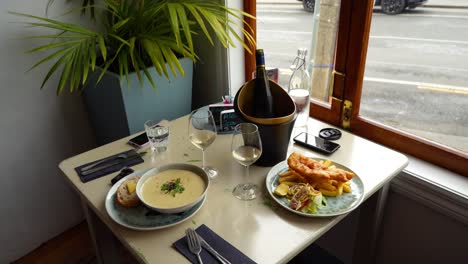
[140, 217]
[336, 205]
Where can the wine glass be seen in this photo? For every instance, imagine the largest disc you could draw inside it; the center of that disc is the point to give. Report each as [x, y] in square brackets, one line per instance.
[246, 148]
[202, 132]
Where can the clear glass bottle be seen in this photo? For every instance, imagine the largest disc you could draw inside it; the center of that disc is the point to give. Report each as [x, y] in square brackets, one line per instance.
[299, 87]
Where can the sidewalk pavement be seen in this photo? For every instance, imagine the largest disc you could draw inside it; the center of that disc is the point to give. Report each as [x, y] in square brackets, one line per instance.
[430, 3]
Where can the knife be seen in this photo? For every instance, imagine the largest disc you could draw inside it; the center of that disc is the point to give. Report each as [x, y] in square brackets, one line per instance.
[110, 164]
[212, 251]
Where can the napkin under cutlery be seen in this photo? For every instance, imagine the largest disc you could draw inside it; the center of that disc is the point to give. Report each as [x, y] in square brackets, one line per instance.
[223, 247]
[134, 158]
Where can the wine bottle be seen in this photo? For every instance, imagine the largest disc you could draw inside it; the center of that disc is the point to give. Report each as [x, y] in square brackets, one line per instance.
[263, 99]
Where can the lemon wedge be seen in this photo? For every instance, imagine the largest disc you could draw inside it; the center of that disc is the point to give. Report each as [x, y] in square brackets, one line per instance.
[281, 190]
[131, 187]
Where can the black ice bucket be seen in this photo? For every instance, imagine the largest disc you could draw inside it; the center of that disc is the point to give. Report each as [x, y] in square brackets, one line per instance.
[275, 137]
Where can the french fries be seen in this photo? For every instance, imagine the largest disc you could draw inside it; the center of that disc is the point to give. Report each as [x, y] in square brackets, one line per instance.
[347, 187]
[291, 178]
[286, 173]
[326, 186]
[339, 188]
[330, 188]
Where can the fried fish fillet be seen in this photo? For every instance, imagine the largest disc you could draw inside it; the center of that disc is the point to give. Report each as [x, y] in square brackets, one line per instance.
[316, 171]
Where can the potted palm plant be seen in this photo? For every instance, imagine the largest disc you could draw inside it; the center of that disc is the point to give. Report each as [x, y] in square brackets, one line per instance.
[138, 43]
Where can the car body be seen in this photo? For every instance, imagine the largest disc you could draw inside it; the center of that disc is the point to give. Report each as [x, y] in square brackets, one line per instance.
[390, 7]
[394, 7]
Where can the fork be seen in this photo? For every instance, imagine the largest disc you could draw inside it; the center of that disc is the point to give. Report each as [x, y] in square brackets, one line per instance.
[194, 243]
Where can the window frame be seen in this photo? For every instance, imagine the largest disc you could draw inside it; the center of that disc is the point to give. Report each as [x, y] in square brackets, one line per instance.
[350, 60]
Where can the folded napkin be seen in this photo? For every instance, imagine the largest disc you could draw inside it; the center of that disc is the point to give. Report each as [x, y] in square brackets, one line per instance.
[217, 243]
[113, 168]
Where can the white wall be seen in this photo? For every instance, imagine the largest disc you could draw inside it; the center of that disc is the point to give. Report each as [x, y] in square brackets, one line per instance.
[236, 58]
[421, 224]
[416, 233]
[37, 131]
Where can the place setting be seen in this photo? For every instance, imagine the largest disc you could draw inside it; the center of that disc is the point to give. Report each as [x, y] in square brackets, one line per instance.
[131, 202]
[110, 164]
[170, 194]
[161, 196]
[183, 186]
[202, 245]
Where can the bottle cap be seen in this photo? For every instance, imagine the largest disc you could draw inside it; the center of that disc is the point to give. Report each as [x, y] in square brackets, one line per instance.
[330, 133]
[260, 57]
[302, 52]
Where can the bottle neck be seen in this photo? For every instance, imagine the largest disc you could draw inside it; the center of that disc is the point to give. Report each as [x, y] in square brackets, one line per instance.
[260, 58]
[301, 57]
[299, 64]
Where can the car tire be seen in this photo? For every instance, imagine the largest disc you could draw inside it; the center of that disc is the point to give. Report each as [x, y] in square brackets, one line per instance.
[393, 7]
[309, 5]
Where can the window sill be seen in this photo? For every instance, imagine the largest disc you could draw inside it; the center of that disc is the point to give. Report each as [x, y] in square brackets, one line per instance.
[438, 188]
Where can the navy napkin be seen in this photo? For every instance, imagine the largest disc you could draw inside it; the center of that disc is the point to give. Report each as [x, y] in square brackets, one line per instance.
[218, 243]
[114, 168]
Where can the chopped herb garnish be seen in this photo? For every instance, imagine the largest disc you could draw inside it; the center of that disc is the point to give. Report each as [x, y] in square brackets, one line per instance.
[172, 187]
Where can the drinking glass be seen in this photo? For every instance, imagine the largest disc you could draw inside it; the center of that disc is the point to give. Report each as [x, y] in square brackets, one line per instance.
[202, 132]
[246, 148]
[158, 134]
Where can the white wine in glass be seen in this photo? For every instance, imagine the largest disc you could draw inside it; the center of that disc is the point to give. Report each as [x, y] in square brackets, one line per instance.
[202, 133]
[246, 148]
[246, 155]
[202, 139]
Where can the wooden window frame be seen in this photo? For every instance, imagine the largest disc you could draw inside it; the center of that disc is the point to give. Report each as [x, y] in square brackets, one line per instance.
[350, 59]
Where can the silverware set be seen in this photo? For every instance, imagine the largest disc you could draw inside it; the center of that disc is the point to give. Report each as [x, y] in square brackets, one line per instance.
[196, 243]
[109, 162]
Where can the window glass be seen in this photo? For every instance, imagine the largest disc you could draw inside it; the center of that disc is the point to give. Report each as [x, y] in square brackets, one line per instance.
[284, 26]
[416, 75]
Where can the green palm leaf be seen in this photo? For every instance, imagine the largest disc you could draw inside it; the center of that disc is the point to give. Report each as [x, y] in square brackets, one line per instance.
[133, 35]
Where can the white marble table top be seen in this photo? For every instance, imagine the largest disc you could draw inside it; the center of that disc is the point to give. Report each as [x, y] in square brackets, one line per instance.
[259, 228]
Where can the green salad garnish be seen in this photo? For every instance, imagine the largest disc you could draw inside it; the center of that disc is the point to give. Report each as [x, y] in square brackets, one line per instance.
[172, 187]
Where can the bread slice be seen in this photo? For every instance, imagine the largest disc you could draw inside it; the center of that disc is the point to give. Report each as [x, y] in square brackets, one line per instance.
[124, 196]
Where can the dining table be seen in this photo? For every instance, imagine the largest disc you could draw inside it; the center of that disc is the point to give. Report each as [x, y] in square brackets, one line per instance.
[261, 228]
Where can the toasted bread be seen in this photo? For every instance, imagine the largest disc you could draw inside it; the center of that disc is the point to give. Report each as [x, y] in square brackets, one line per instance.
[126, 197]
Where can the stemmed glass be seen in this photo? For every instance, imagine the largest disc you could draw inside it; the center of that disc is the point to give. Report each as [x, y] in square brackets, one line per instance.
[202, 132]
[246, 148]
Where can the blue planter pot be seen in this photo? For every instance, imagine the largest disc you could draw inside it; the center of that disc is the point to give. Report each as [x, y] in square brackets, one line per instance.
[117, 110]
